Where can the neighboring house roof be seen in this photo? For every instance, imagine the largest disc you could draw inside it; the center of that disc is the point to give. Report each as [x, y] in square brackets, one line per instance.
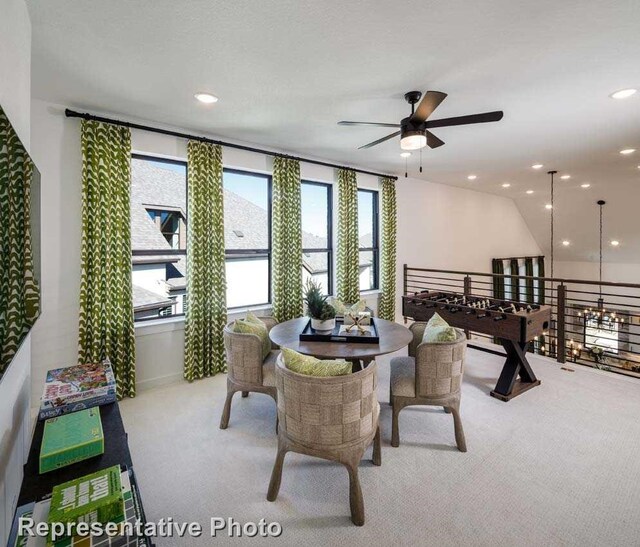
[154, 187]
[144, 299]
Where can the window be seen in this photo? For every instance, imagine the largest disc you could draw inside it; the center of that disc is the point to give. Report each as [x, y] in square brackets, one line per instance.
[158, 236]
[368, 239]
[247, 228]
[171, 225]
[317, 248]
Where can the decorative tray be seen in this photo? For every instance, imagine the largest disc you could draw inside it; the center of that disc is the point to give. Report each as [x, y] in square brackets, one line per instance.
[339, 334]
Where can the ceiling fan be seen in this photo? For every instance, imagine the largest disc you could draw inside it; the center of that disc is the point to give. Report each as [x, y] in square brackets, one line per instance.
[414, 129]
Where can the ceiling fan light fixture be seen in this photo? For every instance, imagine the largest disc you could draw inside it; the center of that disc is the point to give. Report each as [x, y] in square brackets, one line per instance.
[413, 140]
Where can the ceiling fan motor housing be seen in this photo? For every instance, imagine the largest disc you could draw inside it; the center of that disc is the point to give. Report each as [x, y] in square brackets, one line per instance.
[409, 128]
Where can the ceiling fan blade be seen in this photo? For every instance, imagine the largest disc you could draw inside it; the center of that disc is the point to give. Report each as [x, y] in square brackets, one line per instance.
[464, 120]
[376, 124]
[433, 141]
[380, 140]
[428, 104]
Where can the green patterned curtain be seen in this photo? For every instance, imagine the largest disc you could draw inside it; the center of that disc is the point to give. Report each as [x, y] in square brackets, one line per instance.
[498, 282]
[387, 302]
[19, 292]
[106, 306]
[348, 274]
[206, 287]
[528, 271]
[515, 280]
[286, 240]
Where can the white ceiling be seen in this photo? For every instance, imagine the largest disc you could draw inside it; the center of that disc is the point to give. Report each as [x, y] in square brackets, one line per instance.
[287, 70]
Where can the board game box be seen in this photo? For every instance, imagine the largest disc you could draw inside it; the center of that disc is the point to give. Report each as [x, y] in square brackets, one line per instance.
[93, 498]
[78, 405]
[66, 389]
[71, 438]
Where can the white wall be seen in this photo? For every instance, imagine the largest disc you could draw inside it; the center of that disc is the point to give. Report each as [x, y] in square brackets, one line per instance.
[15, 430]
[614, 272]
[438, 226]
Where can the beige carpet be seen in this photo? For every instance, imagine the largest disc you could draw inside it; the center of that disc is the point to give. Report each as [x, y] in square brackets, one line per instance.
[559, 465]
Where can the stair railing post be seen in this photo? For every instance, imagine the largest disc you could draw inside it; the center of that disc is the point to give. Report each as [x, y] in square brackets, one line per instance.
[561, 350]
[467, 292]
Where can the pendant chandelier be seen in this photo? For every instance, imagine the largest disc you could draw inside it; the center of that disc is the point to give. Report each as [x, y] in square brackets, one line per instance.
[599, 314]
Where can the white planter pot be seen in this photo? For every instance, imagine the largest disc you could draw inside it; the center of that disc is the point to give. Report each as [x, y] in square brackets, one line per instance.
[327, 325]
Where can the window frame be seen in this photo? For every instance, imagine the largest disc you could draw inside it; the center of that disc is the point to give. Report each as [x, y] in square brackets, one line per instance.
[165, 252]
[329, 249]
[254, 254]
[375, 238]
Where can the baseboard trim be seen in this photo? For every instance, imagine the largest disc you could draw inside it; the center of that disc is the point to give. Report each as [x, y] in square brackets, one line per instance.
[152, 383]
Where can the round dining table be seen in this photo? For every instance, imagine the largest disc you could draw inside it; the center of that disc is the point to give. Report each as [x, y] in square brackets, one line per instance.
[393, 337]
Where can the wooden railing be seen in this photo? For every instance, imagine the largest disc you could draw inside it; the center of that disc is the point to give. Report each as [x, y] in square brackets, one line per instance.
[573, 337]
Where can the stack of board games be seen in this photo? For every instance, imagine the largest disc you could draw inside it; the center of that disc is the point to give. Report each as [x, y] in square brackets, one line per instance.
[39, 512]
[71, 438]
[77, 388]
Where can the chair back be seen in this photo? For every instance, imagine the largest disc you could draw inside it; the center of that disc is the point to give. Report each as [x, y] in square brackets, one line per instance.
[244, 359]
[440, 366]
[327, 412]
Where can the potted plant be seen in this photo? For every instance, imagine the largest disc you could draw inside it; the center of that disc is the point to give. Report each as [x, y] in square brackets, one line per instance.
[322, 314]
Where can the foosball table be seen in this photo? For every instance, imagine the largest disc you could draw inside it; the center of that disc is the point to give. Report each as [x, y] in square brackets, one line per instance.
[515, 324]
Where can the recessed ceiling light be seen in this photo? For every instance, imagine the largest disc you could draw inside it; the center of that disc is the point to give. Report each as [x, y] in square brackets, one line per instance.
[206, 98]
[623, 93]
[615, 242]
[537, 166]
[566, 242]
[627, 151]
[548, 206]
[565, 177]
[472, 177]
[585, 185]
[506, 185]
[405, 154]
[529, 191]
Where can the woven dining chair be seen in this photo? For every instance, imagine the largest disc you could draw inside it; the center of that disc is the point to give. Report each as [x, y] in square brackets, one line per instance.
[333, 418]
[247, 370]
[430, 375]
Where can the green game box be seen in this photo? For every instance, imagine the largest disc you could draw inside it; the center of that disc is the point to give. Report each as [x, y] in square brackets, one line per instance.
[71, 438]
[92, 498]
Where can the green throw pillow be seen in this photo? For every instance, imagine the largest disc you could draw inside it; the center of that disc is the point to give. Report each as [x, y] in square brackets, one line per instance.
[253, 318]
[439, 334]
[436, 321]
[245, 326]
[438, 330]
[311, 366]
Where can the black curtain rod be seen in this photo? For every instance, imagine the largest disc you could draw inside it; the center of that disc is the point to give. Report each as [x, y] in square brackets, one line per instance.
[85, 116]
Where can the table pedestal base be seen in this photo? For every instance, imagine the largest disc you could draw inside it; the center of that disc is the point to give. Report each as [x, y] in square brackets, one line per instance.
[359, 364]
